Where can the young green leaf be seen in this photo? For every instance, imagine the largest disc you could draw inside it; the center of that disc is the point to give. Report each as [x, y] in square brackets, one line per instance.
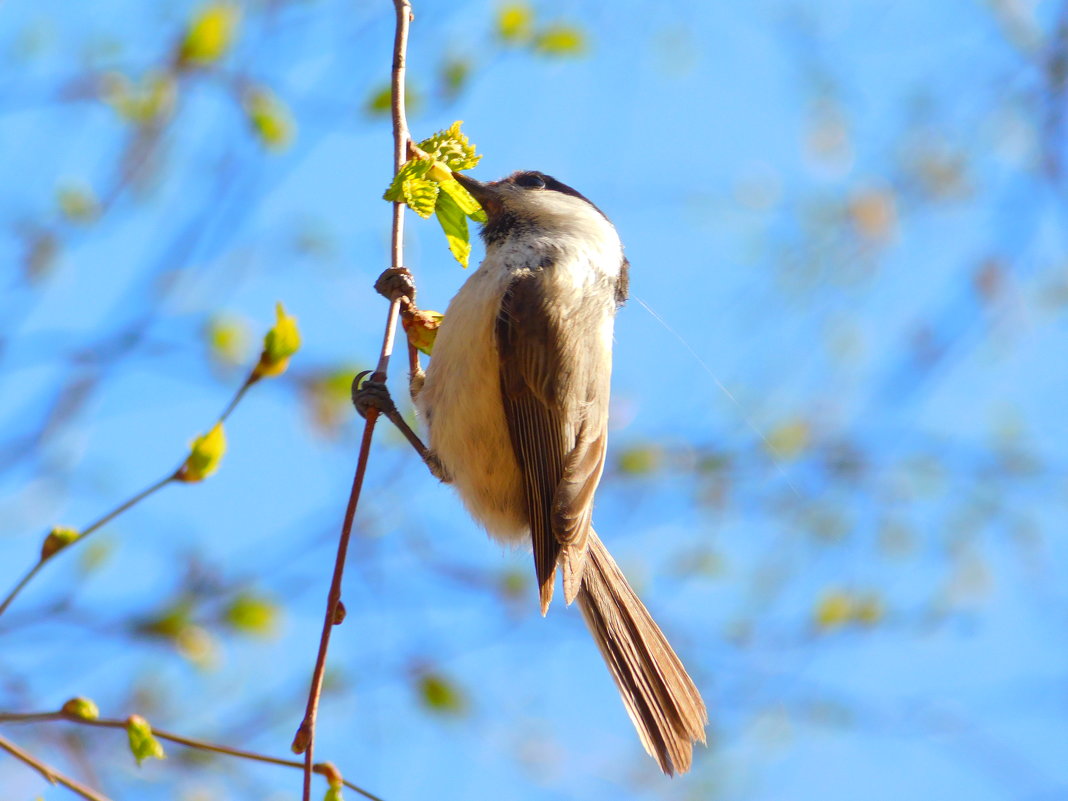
[464, 199]
[205, 454]
[454, 224]
[421, 195]
[451, 147]
[411, 170]
[142, 744]
[280, 343]
[426, 184]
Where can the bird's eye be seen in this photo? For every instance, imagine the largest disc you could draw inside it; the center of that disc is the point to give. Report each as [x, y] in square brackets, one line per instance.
[530, 180]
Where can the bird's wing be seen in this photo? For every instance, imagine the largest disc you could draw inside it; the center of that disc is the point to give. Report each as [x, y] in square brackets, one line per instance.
[560, 449]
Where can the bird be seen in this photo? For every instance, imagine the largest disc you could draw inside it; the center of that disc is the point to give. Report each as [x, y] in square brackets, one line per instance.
[515, 402]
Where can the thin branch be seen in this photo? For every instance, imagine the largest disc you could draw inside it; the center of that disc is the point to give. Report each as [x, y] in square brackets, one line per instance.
[304, 740]
[253, 378]
[326, 769]
[99, 523]
[52, 775]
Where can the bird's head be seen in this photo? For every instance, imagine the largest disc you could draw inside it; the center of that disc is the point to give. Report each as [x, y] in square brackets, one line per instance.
[530, 200]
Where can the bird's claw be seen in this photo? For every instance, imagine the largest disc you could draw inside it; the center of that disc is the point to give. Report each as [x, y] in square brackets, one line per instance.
[396, 282]
[367, 395]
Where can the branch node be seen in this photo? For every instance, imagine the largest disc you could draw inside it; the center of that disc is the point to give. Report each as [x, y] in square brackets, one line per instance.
[301, 739]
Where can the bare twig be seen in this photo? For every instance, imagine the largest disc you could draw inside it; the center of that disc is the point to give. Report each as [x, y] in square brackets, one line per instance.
[50, 773]
[253, 377]
[304, 740]
[322, 768]
[100, 523]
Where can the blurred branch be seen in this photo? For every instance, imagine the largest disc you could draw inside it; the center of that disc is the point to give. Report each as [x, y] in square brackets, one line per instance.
[51, 774]
[54, 542]
[304, 740]
[47, 555]
[325, 769]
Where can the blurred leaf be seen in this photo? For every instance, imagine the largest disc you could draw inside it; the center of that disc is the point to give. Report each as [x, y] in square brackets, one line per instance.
[788, 440]
[380, 101]
[41, 251]
[868, 610]
[454, 74]
[514, 584]
[454, 224]
[58, 539]
[205, 455]
[873, 213]
[196, 644]
[78, 204]
[252, 614]
[210, 34]
[515, 23]
[329, 395]
[561, 40]
[227, 339]
[149, 102]
[639, 460]
[95, 554]
[440, 695]
[142, 744]
[168, 623]
[834, 610]
[269, 118]
[82, 708]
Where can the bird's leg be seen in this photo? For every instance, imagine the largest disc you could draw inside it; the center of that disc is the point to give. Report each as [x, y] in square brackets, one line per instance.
[397, 283]
[368, 395]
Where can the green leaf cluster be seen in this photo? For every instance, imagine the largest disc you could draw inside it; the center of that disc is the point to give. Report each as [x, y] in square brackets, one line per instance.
[426, 185]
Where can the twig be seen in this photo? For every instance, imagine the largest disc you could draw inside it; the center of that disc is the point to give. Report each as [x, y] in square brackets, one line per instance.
[322, 768]
[51, 774]
[118, 510]
[100, 523]
[304, 740]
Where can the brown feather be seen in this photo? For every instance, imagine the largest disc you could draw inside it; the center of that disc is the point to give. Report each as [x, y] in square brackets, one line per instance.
[661, 699]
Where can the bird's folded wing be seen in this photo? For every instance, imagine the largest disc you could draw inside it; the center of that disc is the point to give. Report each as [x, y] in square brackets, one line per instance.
[560, 450]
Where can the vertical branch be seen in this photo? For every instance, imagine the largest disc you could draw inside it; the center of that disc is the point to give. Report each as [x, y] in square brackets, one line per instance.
[304, 740]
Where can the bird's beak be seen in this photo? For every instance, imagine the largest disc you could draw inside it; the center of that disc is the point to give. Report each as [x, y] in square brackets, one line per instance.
[485, 194]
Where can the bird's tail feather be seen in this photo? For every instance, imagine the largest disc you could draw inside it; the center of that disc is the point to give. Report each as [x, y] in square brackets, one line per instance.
[661, 699]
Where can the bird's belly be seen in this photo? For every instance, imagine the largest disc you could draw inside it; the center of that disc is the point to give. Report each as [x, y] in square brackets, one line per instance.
[461, 404]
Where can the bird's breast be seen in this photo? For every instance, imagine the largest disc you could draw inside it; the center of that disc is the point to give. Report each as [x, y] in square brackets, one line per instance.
[461, 404]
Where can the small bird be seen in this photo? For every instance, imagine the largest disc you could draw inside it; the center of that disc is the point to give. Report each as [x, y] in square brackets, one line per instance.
[515, 399]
